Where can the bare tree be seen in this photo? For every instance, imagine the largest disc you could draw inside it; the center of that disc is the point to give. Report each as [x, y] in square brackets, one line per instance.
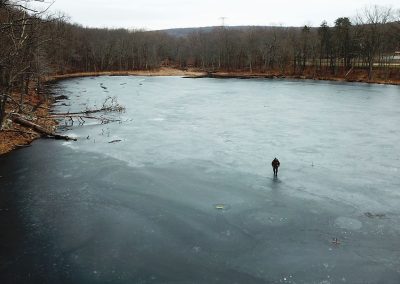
[371, 24]
[20, 40]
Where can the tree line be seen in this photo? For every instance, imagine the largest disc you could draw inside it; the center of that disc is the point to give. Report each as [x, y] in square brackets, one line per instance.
[34, 44]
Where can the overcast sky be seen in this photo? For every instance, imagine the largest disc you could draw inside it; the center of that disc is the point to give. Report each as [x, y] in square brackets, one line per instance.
[164, 14]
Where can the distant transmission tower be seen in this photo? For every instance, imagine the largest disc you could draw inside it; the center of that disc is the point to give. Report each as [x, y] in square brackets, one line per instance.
[223, 21]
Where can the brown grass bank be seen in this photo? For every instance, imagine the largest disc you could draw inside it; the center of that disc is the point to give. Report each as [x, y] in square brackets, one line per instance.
[390, 77]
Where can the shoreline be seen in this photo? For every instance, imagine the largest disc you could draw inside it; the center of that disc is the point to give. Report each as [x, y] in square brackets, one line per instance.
[197, 73]
[16, 136]
[260, 75]
[163, 71]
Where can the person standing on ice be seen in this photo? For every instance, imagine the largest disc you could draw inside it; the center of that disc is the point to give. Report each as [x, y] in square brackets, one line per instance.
[275, 165]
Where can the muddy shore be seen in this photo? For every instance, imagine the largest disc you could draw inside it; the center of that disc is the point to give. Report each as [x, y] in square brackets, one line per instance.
[14, 136]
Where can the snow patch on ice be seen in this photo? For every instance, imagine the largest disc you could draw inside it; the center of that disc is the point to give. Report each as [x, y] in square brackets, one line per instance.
[348, 223]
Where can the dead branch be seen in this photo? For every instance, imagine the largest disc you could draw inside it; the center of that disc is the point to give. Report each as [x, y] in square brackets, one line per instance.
[11, 99]
[40, 129]
[22, 146]
[110, 104]
[114, 107]
[80, 118]
[80, 112]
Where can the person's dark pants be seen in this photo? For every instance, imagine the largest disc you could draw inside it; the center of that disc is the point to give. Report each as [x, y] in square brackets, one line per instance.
[275, 171]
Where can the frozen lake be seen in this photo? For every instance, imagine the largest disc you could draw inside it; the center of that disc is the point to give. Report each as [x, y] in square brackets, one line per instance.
[144, 209]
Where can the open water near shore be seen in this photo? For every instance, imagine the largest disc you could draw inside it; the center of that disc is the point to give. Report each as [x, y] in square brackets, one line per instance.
[185, 194]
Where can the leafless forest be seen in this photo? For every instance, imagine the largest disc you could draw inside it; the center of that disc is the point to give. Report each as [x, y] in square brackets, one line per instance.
[35, 44]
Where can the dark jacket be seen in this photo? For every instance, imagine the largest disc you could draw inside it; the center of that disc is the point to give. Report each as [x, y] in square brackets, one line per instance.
[275, 163]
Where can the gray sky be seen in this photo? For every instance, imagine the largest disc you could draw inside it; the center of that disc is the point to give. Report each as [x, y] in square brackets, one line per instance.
[163, 14]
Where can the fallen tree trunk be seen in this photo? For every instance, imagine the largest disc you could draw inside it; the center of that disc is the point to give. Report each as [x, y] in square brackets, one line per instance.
[41, 130]
[110, 105]
[86, 112]
[103, 119]
[80, 112]
[348, 72]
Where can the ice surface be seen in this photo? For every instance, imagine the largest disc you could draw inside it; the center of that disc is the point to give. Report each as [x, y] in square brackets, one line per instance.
[334, 140]
[188, 196]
